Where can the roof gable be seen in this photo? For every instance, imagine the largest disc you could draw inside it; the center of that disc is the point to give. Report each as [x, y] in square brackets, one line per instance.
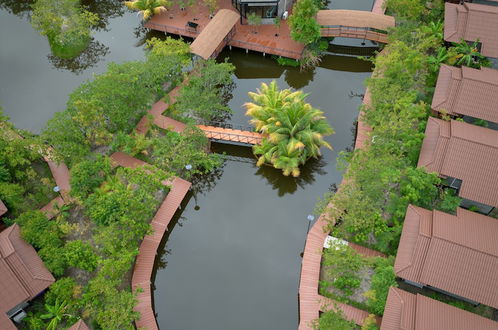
[471, 22]
[460, 255]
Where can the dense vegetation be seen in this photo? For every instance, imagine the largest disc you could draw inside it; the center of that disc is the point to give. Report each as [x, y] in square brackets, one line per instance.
[25, 180]
[360, 281]
[148, 8]
[294, 130]
[91, 244]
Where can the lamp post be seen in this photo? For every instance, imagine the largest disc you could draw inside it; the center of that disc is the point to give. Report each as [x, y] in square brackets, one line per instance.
[310, 218]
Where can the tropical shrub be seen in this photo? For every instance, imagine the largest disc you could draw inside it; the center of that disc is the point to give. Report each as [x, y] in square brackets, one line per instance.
[382, 279]
[148, 8]
[302, 22]
[174, 151]
[206, 94]
[80, 254]
[88, 175]
[333, 319]
[294, 130]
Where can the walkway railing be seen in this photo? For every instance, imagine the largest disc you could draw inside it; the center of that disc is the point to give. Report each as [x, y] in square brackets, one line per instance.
[265, 49]
[354, 32]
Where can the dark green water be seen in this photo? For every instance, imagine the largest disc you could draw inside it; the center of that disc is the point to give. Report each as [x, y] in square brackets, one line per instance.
[232, 257]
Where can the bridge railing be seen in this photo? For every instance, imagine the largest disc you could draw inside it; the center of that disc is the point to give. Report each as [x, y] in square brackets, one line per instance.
[231, 126]
[354, 32]
[233, 137]
[171, 29]
[265, 49]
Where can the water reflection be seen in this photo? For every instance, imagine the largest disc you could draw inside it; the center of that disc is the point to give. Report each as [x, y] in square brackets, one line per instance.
[21, 8]
[282, 184]
[88, 58]
[105, 10]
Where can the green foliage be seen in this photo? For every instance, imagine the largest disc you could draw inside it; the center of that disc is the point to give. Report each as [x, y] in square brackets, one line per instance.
[370, 323]
[148, 8]
[449, 201]
[114, 101]
[342, 264]
[302, 22]
[130, 194]
[173, 151]
[294, 130]
[64, 289]
[480, 122]
[207, 92]
[333, 319]
[383, 278]
[468, 55]
[65, 24]
[55, 313]
[88, 175]
[81, 255]
[38, 231]
[382, 178]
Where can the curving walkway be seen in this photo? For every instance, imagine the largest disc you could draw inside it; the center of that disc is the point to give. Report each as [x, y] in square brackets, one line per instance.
[144, 264]
[310, 301]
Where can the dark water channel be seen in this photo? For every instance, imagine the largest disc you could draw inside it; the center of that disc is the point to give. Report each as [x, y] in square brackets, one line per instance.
[232, 257]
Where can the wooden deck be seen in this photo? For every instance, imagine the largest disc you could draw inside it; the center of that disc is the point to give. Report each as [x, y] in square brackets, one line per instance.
[144, 264]
[262, 38]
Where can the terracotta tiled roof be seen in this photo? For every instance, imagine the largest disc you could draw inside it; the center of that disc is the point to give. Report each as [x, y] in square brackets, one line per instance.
[213, 35]
[457, 254]
[22, 273]
[354, 18]
[408, 311]
[3, 208]
[467, 91]
[470, 22]
[466, 152]
[80, 325]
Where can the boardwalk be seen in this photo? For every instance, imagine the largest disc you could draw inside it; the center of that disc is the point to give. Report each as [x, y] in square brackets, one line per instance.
[144, 264]
[309, 299]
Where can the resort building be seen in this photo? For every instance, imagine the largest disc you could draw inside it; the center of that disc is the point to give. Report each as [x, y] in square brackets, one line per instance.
[467, 92]
[467, 156]
[455, 254]
[23, 275]
[80, 325]
[266, 9]
[408, 311]
[472, 22]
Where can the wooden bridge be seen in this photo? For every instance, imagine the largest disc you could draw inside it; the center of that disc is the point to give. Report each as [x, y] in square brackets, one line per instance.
[231, 135]
[355, 24]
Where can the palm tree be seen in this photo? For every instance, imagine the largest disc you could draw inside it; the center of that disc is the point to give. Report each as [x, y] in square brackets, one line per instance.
[148, 8]
[55, 313]
[294, 130]
[469, 55]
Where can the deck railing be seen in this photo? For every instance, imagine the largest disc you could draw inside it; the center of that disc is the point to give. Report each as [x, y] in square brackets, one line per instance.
[265, 49]
[354, 32]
